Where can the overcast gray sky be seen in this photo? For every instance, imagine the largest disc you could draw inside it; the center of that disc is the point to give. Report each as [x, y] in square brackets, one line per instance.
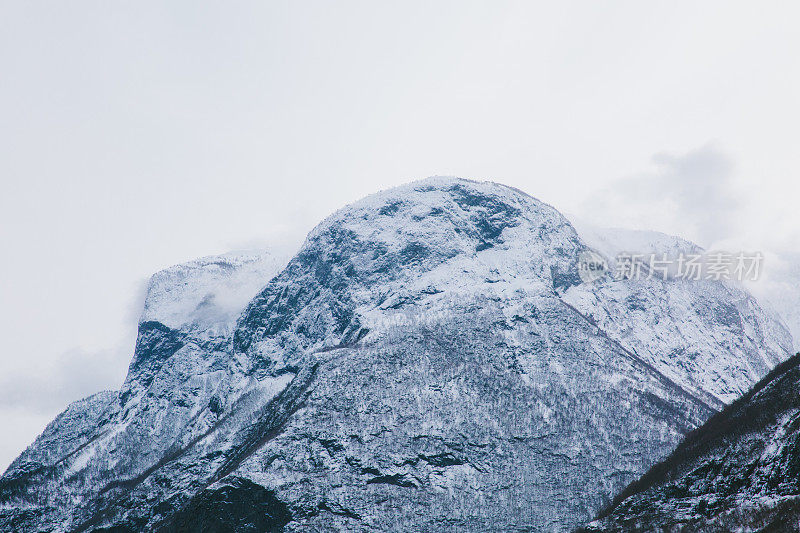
[136, 135]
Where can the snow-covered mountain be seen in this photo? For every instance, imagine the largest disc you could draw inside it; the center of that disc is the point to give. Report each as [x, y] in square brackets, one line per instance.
[740, 471]
[428, 361]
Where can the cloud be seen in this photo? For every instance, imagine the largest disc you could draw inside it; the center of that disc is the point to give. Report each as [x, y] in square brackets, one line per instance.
[77, 374]
[690, 194]
[693, 195]
[699, 185]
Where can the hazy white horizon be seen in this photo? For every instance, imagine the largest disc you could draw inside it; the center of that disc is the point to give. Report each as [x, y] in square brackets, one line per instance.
[135, 136]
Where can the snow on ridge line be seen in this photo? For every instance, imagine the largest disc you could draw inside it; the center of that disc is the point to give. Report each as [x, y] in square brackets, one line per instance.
[209, 293]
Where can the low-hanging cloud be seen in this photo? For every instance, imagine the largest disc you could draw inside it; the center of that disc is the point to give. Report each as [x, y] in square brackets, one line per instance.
[691, 194]
[79, 373]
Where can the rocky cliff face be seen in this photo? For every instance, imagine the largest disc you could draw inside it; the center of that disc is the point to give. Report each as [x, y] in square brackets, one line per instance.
[738, 472]
[429, 360]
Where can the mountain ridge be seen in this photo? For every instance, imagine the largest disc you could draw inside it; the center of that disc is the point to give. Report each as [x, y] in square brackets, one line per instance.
[688, 477]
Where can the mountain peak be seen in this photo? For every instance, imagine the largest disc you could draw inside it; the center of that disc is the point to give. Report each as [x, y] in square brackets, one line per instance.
[429, 240]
